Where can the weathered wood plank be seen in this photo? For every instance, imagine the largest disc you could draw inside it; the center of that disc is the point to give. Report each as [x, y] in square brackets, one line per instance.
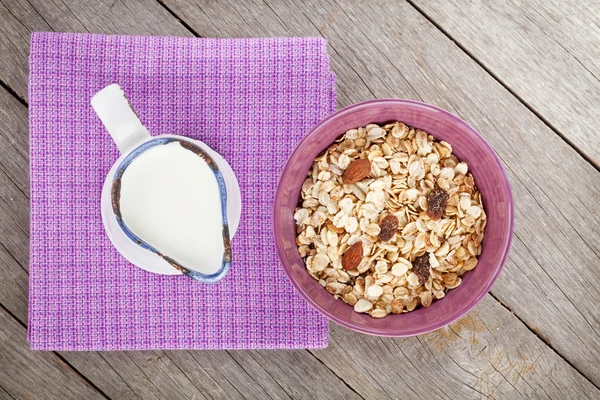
[4, 394]
[14, 143]
[14, 214]
[208, 372]
[21, 17]
[546, 52]
[223, 376]
[147, 376]
[297, 371]
[486, 354]
[14, 180]
[14, 285]
[102, 374]
[35, 375]
[575, 27]
[359, 78]
[14, 44]
[391, 50]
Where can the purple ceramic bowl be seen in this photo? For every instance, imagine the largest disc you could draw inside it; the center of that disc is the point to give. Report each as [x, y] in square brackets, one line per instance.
[468, 146]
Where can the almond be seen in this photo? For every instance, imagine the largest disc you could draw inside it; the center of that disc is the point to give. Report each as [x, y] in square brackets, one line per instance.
[357, 171]
[353, 256]
[388, 226]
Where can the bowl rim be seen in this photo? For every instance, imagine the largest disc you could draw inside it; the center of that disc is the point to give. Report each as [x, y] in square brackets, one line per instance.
[442, 322]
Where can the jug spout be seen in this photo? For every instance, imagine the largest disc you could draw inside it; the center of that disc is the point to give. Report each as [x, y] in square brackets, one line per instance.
[121, 122]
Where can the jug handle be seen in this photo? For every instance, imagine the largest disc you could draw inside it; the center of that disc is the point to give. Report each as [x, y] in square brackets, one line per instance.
[121, 122]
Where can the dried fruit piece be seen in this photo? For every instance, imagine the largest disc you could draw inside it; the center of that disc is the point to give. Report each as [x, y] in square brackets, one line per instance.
[353, 256]
[357, 171]
[420, 267]
[388, 226]
[437, 200]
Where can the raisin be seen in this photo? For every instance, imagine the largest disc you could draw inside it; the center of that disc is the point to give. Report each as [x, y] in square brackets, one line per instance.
[437, 200]
[388, 226]
[421, 268]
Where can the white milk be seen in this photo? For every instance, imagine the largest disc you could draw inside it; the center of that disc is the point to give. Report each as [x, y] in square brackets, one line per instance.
[170, 199]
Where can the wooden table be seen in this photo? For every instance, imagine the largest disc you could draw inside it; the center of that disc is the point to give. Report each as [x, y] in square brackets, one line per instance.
[526, 74]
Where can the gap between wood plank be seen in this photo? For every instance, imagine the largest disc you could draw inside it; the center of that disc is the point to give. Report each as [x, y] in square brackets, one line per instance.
[5, 392]
[14, 258]
[517, 5]
[333, 372]
[61, 358]
[543, 339]
[13, 93]
[594, 163]
[255, 381]
[182, 22]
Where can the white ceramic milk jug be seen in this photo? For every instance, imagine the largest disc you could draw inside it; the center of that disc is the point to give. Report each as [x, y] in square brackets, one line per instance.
[170, 204]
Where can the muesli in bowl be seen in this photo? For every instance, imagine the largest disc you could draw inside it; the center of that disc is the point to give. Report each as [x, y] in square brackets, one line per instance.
[389, 219]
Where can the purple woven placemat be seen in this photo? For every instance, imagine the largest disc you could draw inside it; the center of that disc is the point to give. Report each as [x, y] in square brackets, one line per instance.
[249, 99]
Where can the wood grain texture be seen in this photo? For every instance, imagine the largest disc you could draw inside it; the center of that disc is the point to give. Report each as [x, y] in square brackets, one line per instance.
[4, 395]
[485, 354]
[21, 17]
[547, 52]
[14, 178]
[387, 49]
[380, 49]
[35, 375]
[14, 285]
[14, 142]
